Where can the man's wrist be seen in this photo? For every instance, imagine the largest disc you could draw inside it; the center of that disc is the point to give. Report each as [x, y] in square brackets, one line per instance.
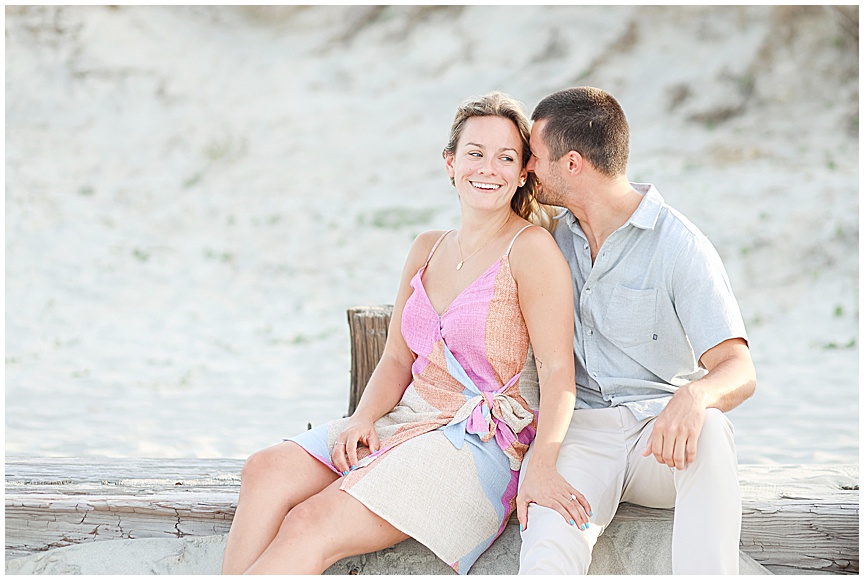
[696, 393]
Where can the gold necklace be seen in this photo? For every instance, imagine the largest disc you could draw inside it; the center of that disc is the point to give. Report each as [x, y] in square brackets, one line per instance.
[492, 237]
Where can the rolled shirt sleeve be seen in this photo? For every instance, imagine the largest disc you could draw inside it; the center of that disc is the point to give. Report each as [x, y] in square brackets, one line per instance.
[703, 297]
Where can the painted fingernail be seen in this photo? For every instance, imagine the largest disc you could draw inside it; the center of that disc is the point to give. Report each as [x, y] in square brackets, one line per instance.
[590, 514]
[344, 473]
[353, 467]
[521, 528]
[587, 525]
[583, 527]
[572, 523]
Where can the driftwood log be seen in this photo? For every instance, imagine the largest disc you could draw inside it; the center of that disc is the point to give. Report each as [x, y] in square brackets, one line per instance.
[795, 518]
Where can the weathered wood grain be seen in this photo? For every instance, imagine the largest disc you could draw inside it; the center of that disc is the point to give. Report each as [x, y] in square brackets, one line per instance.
[54, 502]
[368, 326]
[795, 518]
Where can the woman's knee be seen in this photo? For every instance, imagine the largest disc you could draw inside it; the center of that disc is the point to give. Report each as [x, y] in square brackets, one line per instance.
[302, 516]
[267, 464]
[309, 519]
[257, 465]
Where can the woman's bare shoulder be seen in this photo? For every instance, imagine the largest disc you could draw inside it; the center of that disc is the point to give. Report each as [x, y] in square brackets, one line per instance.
[429, 237]
[535, 248]
[422, 246]
[534, 239]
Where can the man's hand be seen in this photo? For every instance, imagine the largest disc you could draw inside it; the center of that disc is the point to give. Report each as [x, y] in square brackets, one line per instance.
[731, 379]
[676, 430]
[545, 486]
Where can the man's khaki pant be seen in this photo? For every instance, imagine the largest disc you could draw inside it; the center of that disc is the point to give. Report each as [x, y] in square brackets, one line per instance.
[601, 456]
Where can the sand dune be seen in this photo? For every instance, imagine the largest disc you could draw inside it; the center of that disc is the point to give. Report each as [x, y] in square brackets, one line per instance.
[195, 195]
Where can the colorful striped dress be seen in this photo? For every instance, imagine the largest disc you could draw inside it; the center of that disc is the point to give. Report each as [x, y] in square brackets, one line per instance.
[447, 470]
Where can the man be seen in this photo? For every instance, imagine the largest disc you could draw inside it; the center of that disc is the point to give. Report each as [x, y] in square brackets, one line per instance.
[660, 351]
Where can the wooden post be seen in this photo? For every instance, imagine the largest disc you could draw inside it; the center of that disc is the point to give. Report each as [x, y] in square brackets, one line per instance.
[368, 326]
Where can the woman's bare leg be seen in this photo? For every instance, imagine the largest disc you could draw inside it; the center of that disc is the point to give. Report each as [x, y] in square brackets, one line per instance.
[273, 481]
[322, 530]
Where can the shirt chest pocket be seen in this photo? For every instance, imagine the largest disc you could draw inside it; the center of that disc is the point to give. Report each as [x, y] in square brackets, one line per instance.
[631, 316]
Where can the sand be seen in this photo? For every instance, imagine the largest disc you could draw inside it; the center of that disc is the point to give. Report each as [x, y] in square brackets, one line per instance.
[195, 195]
[631, 548]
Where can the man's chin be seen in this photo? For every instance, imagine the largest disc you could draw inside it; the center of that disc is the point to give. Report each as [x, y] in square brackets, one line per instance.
[547, 197]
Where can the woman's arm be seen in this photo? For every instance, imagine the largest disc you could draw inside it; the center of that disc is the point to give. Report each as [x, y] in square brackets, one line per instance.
[546, 299]
[392, 374]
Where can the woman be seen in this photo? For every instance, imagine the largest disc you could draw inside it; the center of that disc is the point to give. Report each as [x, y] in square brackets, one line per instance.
[434, 447]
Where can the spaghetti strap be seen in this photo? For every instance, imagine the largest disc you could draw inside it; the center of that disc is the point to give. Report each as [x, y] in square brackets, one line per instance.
[435, 247]
[514, 238]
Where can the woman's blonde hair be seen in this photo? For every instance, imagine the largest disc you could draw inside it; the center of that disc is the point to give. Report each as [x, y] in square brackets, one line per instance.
[497, 104]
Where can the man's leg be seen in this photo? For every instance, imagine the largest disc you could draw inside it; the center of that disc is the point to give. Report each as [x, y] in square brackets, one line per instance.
[706, 497]
[593, 459]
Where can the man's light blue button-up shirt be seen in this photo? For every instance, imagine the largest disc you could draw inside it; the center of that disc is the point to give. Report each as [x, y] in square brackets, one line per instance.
[656, 298]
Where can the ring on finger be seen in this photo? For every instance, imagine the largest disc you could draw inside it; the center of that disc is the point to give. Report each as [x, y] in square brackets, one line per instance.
[572, 497]
[338, 443]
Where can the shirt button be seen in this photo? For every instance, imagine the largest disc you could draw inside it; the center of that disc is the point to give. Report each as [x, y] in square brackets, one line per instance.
[586, 246]
[590, 332]
[594, 374]
[587, 290]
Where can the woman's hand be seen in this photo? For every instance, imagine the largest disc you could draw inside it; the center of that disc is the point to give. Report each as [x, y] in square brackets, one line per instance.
[344, 452]
[545, 486]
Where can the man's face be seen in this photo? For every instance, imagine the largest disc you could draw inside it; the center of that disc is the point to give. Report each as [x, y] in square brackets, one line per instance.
[552, 190]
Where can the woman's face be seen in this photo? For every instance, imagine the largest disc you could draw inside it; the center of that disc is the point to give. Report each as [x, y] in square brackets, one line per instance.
[487, 164]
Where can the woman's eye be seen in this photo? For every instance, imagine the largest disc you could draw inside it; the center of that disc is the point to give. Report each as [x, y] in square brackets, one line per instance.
[507, 159]
[474, 154]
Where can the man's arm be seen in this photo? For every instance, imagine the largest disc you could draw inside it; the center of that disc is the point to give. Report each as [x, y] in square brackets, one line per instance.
[731, 380]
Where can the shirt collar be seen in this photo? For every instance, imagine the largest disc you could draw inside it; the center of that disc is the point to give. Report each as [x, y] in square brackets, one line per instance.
[646, 215]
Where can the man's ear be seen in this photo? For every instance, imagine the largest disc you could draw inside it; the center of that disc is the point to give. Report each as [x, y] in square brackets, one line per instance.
[575, 162]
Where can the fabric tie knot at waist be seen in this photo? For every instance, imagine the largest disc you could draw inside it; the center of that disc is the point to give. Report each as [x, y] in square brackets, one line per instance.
[490, 415]
[486, 413]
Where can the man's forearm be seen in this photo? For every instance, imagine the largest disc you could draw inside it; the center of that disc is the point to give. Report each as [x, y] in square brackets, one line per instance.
[731, 377]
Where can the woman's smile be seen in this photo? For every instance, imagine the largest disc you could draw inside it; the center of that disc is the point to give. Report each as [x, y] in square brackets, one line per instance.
[485, 186]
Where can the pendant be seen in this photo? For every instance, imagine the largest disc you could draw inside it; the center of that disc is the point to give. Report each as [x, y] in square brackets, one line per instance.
[459, 265]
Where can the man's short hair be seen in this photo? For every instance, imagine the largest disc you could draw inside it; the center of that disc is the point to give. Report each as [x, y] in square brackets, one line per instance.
[589, 121]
